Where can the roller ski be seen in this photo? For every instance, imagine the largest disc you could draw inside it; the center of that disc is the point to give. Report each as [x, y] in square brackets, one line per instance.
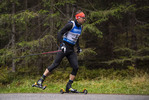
[71, 90]
[39, 84]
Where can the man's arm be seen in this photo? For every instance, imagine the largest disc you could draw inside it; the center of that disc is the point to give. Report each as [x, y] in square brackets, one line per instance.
[78, 47]
[77, 44]
[65, 29]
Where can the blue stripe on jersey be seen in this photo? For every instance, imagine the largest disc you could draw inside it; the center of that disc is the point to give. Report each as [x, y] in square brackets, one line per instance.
[72, 36]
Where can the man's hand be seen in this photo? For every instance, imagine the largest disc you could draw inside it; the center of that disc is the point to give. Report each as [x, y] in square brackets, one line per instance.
[79, 50]
[63, 47]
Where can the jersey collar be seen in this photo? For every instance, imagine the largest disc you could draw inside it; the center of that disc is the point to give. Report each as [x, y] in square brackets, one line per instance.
[77, 24]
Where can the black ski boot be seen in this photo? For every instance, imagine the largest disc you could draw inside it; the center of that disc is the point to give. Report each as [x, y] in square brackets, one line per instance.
[40, 81]
[69, 88]
[39, 84]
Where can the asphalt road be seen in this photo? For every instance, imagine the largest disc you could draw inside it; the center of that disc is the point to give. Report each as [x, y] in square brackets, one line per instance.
[47, 96]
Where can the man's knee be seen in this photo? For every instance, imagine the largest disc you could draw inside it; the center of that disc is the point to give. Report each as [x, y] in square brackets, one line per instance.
[74, 71]
[52, 67]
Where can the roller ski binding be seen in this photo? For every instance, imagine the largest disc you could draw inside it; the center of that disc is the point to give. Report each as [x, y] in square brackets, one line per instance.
[39, 84]
[62, 91]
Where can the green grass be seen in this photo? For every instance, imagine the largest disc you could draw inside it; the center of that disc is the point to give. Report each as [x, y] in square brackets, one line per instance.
[136, 85]
[102, 81]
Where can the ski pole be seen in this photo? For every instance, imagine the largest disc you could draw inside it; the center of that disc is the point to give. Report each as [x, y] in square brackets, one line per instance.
[39, 54]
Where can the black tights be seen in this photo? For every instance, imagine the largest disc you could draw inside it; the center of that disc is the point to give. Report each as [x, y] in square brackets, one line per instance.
[72, 58]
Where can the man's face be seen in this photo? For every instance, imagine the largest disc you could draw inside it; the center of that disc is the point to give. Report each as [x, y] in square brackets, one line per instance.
[81, 20]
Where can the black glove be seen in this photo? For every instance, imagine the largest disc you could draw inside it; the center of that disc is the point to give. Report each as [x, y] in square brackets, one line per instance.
[79, 50]
[63, 47]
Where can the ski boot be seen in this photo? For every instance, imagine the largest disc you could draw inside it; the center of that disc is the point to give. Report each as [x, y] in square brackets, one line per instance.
[39, 84]
[69, 88]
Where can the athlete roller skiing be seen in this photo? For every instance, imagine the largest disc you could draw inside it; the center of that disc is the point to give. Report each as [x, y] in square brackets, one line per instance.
[68, 38]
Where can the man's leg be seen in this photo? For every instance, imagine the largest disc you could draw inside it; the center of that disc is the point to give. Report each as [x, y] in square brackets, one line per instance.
[72, 58]
[55, 64]
[71, 77]
[46, 73]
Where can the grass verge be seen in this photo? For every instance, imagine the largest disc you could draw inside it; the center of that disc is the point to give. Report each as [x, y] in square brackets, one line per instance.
[137, 85]
[95, 81]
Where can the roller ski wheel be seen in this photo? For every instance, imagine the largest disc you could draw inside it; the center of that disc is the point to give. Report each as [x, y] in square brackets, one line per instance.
[39, 86]
[85, 91]
[62, 91]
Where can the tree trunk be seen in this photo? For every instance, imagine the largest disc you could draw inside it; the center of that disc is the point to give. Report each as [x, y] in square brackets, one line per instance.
[127, 39]
[26, 20]
[40, 44]
[67, 10]
[132, 18]
[13, 37]
[51, 19]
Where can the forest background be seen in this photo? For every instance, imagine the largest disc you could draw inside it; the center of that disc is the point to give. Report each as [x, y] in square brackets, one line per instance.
[115, 37]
